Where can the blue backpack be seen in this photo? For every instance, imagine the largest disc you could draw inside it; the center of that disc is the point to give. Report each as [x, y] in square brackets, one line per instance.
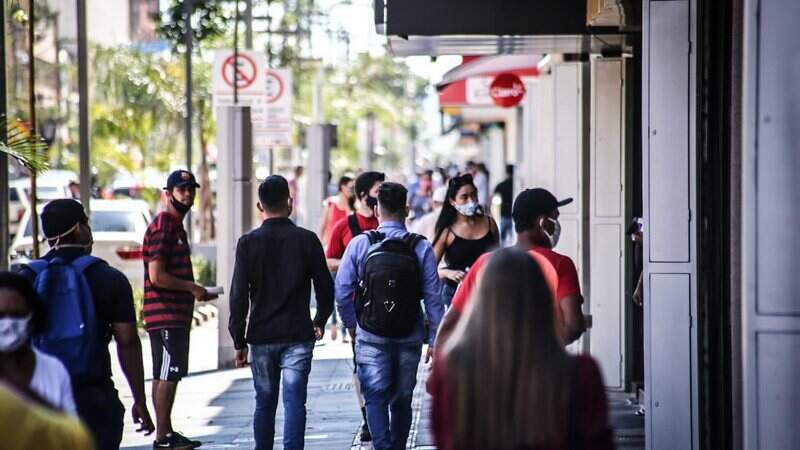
[72, 329]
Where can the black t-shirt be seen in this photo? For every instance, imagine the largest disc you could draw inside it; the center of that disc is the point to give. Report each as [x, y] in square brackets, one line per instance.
[506, 190]
[112, 295]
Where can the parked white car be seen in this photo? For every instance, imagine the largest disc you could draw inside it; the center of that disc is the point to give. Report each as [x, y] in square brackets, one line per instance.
[118, 227]
[50, 185]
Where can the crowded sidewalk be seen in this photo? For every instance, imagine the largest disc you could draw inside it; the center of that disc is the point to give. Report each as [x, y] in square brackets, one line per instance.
[216, 406]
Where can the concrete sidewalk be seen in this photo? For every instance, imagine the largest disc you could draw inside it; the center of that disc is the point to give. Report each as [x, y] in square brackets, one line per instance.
[216, 406]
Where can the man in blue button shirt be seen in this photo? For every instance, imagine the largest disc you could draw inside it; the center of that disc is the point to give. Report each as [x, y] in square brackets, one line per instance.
[387, 367]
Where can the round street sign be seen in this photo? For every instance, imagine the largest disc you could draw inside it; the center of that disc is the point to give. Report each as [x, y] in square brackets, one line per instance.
[274, 86]
[246, 71]
[507, 90]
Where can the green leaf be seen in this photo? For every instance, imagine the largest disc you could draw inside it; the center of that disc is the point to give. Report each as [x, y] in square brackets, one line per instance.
[29, 149]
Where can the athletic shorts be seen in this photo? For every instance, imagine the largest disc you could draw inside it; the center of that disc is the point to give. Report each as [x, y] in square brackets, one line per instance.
[170, 349]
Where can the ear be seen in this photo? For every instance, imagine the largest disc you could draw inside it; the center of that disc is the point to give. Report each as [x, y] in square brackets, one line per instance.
[260, 208]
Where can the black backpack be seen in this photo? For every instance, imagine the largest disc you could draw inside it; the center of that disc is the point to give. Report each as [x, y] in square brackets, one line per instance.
[390, 286]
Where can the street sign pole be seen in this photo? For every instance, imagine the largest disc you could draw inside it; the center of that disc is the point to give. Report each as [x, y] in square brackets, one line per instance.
[4, 188]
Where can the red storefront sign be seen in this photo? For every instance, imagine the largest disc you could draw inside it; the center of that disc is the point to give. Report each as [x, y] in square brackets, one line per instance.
[507, 90]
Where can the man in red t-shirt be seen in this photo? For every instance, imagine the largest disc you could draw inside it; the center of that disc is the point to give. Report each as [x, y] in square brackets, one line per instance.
[535, 215]
[363, 219]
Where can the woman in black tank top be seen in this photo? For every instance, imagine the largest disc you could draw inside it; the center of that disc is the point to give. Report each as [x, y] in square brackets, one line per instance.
[463, 233]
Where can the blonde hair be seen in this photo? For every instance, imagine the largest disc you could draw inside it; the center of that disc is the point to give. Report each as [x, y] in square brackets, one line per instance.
[507, 375]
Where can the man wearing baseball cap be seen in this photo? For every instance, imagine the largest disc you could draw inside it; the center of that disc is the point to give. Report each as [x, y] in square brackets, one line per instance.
[67, 230]
[535, 214]
[169, 295]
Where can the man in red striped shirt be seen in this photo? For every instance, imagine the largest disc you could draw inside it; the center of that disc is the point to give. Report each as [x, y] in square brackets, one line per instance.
[169, 294]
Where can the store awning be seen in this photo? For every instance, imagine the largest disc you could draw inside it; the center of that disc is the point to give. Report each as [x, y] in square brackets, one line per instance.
[467, 85]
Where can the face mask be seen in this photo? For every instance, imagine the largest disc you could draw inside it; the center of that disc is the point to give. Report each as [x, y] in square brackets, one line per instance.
[87, 246]
[372, 202]
[468, 209]
[556, 232]
[180, 207]
[13, 333]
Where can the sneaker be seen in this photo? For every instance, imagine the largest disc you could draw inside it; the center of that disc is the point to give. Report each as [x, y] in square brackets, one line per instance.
[365, 434]
[176, 441]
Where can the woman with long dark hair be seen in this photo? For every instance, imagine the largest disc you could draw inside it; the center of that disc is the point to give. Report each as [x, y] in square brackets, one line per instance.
[504, 381]
[462, 234]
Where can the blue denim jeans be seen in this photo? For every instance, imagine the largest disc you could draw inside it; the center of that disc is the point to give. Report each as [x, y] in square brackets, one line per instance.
[388, 373]
[268, 361]
[448, 292]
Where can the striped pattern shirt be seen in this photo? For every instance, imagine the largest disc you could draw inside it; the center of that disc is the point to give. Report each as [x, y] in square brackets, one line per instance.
[166, 240]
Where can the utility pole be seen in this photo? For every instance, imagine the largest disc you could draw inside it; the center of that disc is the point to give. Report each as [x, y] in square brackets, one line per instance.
[4, 235]
[32, 107]
[188, 38]
[248, 20]
[83, 109]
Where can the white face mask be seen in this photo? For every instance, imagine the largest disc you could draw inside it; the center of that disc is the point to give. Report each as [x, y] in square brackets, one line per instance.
[13, 333]
[556, 232]
[468, 209]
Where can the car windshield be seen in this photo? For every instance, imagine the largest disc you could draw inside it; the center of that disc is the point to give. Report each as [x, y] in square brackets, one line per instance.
[13, 195]
[106, 221]
[48, 193]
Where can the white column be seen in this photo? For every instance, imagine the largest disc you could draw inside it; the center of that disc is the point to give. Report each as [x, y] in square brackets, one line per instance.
[670, 235]
[608, 220]
[770, 219]
[234, 207]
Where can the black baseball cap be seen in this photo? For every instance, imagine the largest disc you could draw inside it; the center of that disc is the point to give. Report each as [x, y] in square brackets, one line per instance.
[60, 216]
[181, 178]
[532, 203]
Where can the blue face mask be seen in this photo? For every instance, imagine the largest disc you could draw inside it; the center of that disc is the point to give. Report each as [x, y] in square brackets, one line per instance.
[468, 209]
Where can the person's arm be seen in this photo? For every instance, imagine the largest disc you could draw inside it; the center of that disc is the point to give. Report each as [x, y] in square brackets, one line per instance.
[161, 278]
[432, 292]
[346, 281]
[573, 324]
[129, 351]
[495, 230]
[335, 248]
[239, 303]
[323, 287]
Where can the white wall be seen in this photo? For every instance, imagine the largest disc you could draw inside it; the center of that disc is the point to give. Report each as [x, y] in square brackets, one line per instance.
[770, 220]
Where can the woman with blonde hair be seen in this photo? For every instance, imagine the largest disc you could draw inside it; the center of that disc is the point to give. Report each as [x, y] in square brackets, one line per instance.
[504, 382]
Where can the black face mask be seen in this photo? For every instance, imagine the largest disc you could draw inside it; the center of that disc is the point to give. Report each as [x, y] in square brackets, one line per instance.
[180, 207]
[372, 202]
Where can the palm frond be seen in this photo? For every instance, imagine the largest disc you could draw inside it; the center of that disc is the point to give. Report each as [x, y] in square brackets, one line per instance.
[27, 148]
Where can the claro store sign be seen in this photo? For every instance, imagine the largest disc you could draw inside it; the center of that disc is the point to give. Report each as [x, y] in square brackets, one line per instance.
[504, 90]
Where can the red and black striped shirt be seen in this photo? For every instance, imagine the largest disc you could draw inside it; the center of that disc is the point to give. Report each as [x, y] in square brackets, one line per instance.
[166, 240]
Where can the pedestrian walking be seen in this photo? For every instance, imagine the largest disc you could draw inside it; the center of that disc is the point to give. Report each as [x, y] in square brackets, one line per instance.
[362, 220]
[535, 215]
[505, 381]
[169, 295]
[382, 278]
[22, 315]
[275, 266]
[426, 226]
[505, 191]
[463, 233]
[337, 208]
[86, 303]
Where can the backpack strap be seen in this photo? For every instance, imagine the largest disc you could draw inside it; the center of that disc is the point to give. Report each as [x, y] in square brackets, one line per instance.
[83, 262]
[374, 236]
[37, 266]
[412, 240]
[352, 222]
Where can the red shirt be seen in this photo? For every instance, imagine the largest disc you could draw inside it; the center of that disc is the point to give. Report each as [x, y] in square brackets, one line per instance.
[166, 240]
[335, 214]
[559, 272]
[341, 236]
[591, 415]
